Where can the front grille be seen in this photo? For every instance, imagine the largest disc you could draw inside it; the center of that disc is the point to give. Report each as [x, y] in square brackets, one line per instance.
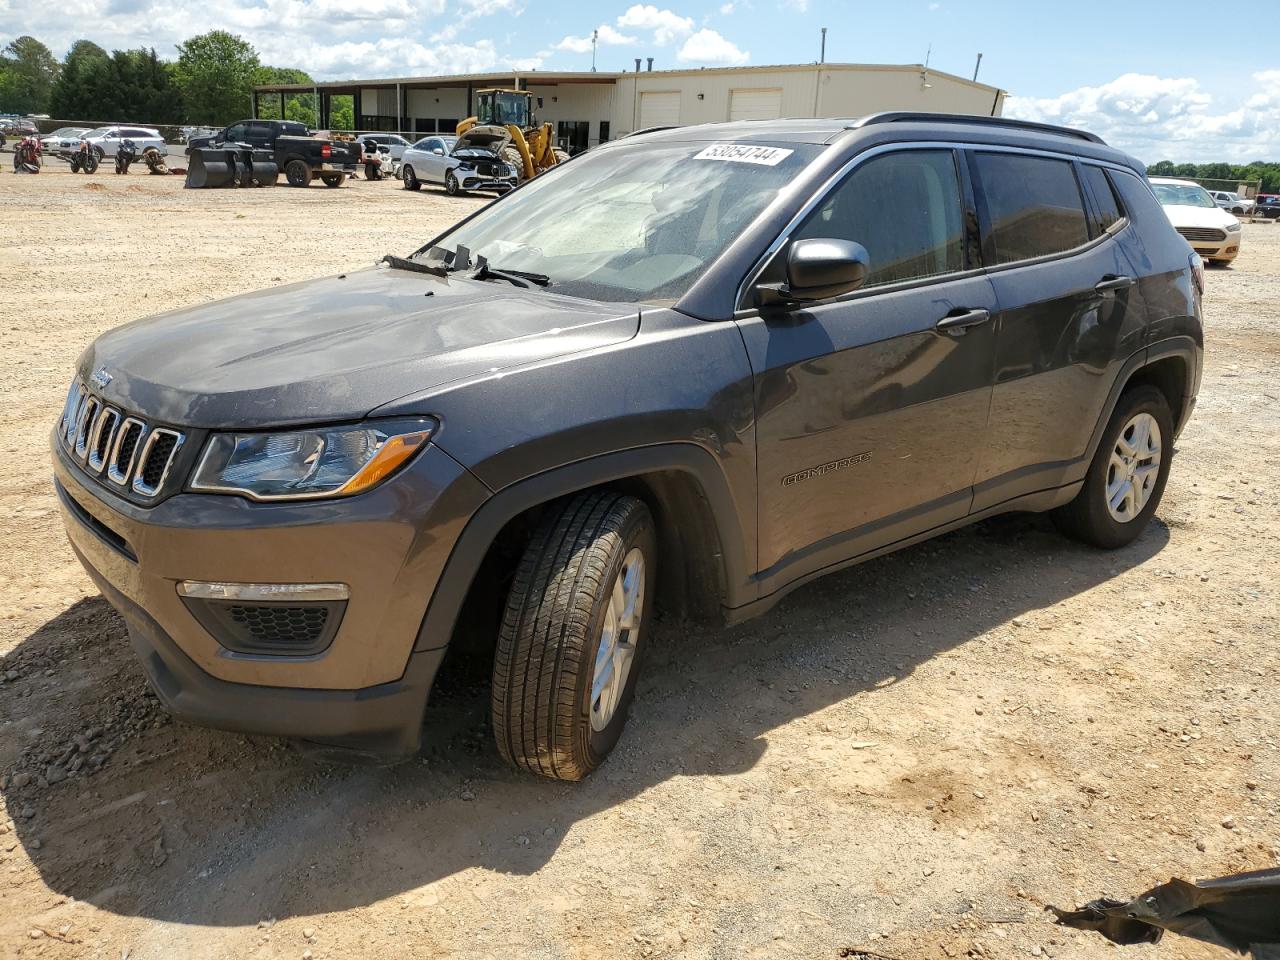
[108, 442]
[1203, 234]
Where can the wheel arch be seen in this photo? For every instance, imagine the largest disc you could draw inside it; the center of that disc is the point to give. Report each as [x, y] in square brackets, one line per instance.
[1171, 365]
[702, 556]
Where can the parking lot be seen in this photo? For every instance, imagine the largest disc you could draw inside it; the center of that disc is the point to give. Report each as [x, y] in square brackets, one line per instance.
[910, 758]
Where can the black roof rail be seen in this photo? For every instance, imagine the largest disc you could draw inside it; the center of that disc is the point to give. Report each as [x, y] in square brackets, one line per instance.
[636, 133]
[904, 116]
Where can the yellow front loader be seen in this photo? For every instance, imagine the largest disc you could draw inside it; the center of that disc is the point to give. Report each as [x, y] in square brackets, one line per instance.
[532, 147]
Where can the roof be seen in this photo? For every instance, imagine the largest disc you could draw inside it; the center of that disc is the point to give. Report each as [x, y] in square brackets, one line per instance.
[552, 77]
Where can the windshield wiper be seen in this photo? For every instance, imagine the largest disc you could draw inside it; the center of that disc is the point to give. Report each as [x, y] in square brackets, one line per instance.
[519, 278]
[417, 266]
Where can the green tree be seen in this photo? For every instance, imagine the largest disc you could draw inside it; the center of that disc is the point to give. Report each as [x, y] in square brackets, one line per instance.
[28, 70]
[215, 75]
[299, 107]
[72, 97]
[342, 113]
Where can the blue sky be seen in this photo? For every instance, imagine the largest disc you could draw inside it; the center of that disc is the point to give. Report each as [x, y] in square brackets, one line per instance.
[1152, 77]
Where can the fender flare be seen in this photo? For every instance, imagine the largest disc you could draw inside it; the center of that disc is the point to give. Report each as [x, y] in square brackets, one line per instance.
[511, 501]
[1181, 346]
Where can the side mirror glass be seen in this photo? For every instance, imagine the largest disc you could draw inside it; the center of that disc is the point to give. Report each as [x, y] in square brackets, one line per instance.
[437, 151]
[818, 269]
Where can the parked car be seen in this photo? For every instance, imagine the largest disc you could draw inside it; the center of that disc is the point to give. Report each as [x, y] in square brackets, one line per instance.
[105, 141]
[63, 140]
[1212, 232]
[300, 156]
[1268, 206]
[693, 368]
[18, 127]
[391, 143]
[1232, 201]
[473, 161]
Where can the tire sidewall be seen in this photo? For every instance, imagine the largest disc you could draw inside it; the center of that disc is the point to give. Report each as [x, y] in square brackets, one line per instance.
[637, 532]
[1143, 400]
[409, 178]
[451, 185]
[296, 173]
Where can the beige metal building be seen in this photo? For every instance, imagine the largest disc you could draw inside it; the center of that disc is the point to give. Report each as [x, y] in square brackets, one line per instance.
[588, 108]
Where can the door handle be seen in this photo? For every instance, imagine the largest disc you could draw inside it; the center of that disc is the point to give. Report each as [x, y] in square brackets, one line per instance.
[961, 319]
[1112, 282]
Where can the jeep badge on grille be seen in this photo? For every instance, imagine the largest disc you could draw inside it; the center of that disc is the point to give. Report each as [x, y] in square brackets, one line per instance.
[100, 377]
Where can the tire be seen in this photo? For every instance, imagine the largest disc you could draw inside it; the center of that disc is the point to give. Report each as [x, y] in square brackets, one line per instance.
[1088, 517]
[332, 179]
[410, 179]
[451, 185]
[297, 173]
[99, 153]
[372, 171]
[561, 155]
[545, 719]
[91, 161]
[512, 156]
[1238, 211]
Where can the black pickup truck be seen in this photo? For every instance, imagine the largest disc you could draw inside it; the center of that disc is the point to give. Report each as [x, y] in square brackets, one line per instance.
[300, 156]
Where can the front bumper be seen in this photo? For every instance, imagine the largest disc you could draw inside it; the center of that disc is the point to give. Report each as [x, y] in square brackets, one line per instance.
[476, 182]
[388, 546]
[1223, 250]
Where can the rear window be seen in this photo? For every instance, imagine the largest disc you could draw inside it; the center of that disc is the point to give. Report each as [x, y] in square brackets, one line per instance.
[1034, 204]
[1104, 198]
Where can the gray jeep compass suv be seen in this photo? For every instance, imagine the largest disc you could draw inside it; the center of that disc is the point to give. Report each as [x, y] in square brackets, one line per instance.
[696, 367]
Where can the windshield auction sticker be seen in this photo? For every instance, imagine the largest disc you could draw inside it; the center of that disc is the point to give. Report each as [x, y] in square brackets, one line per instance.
[744, 153]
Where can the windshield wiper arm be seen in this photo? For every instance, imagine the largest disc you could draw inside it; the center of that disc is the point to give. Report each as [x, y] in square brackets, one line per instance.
[417, 266]
[519, 278]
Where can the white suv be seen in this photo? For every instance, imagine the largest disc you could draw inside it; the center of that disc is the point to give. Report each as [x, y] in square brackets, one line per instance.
[106, 140]
[1230, 200]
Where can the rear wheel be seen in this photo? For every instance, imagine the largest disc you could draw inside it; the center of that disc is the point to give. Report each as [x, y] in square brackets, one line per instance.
[297, 173]
[332, 179]
[411, 181]
[569, 647]
[1127, 477]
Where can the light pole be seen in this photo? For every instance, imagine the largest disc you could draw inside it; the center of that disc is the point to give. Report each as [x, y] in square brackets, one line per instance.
[595, 35]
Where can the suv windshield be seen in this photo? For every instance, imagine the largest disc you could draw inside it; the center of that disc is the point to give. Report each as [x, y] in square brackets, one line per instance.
[635, 222]
[1182, 195]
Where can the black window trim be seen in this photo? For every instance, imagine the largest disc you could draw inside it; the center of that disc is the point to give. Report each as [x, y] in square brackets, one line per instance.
[1094, 209]
[746, 307]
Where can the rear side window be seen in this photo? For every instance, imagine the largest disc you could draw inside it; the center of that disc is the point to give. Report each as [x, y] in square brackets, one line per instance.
[904, 208]
[1104, 198]
[1034, 204]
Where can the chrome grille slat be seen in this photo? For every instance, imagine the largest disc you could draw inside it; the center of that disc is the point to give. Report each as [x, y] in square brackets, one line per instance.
[117, 448]
[1203, 234]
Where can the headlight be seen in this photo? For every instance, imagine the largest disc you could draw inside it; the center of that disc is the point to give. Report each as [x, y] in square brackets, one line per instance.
[304, 464]
[1233, 227]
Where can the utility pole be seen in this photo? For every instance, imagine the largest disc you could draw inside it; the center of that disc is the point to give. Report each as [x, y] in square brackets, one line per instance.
[595, 36]
[975, 68]
[822, 54]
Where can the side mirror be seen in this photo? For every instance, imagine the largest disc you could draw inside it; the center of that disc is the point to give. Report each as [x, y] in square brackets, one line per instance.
[818, 269]
[437, 151]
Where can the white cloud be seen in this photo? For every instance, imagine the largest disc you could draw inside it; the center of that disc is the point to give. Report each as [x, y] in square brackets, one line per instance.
[667, 25]
[707, 46]
[608, 35]
[801, 6]
[1167, 118]
[726, 8]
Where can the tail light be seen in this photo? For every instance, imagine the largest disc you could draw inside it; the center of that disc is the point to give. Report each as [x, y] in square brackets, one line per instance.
[326, 150]
[1197, 272]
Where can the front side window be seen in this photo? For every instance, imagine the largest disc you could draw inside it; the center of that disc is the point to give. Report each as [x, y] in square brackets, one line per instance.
[904, 208]
[634, 222]
[1034, 205]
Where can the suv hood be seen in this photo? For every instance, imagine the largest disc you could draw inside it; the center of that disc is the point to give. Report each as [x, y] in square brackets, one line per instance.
[337, 348]
[490, 138]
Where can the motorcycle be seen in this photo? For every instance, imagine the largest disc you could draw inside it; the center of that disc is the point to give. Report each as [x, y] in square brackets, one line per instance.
[126, 153]
[26, 156]
[85, 158]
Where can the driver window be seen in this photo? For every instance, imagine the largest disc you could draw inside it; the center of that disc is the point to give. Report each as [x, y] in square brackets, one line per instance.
[904, 208]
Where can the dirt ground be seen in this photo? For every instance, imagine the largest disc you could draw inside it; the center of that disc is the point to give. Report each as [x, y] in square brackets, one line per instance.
[911, 757]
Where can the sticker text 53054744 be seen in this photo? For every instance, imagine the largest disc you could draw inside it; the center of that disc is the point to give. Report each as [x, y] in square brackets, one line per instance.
[744, 153]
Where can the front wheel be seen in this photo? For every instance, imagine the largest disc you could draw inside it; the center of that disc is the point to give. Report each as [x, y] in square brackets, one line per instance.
[451, 185]
[569, 647]
[332, 179]
[297, 173]
[410, 179]
[1127, 477]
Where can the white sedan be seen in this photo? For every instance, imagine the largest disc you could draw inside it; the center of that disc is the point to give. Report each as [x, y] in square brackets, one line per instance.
[105, 141]
[1212, 232]
[62, 140]
[472, 162]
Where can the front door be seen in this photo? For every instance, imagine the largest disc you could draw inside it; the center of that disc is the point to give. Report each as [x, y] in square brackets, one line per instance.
[872, 409]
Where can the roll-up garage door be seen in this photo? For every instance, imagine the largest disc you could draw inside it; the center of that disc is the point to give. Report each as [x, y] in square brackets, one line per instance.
[755, 104]
[659, 110]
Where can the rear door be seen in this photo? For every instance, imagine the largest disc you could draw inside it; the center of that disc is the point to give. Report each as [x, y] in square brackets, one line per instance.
[870, 415]
[1065, 323]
